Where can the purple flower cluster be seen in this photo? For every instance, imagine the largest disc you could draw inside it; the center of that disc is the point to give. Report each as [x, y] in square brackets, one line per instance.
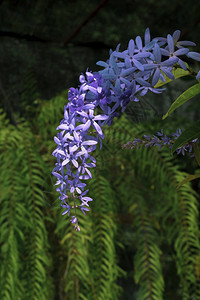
[161, 140]
[126, 76]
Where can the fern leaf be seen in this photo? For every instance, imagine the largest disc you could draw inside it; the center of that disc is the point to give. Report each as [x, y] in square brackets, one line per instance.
[104, 268]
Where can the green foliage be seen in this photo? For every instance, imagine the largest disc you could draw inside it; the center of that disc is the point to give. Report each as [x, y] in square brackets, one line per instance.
[183, 98]
[187, 244]
[11, 216]
[187, 179]
[147, 179]
[189, 134]
[197, 152]
[25, 258]
[104, 268]
[75, 273]
[41, 253]
[91, 270]
[50, 114]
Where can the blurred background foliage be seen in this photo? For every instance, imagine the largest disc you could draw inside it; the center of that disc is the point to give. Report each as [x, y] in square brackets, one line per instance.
[141, 238]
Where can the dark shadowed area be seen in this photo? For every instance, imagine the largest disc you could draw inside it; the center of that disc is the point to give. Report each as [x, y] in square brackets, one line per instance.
[140, 240]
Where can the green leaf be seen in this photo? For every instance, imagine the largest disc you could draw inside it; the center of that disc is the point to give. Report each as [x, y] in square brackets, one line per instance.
[177, 72]
[197, 152]
[187, 179]
[184, 97]
[189, 134]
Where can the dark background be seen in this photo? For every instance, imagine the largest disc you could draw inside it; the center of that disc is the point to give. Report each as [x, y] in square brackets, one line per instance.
[45, 45]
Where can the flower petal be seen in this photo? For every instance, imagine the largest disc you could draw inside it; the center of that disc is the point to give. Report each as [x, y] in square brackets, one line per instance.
[65, 162]
[98, 128]
[176, 35]
[63, 126]
[100, 117]
[56, 140]
[139, 42]
[194, 55]
[87, 125]
[131, 47]
[89, 143]
[181, 51]
[147, 36]
[186, 43]
[168, 73]
[102, 64]
[170, 43]
[156, 77]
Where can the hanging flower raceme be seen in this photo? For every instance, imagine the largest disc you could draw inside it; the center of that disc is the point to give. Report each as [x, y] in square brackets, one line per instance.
[160, 140]
[125, 77]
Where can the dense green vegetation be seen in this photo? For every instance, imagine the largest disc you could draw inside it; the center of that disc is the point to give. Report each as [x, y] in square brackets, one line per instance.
[140, 239]
[141, 233]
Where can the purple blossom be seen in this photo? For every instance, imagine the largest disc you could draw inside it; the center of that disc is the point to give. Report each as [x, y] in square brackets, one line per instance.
[171, 52]
[131, 58]
[180, 44]
[126, 76]
[91, 119]
[159, 66]
[160, 140]
[67, 211]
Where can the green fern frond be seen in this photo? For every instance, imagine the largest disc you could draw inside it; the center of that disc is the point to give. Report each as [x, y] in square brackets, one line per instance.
[51, 112]
[119, 133]
[187, 243]
[178, 213]
[138, 190]
[75, 281]
[36, 262]
[26, 260]
[3, 120]
[180, 222]
[148, 271]
[152, 175]
[11, 217]
[103, 261]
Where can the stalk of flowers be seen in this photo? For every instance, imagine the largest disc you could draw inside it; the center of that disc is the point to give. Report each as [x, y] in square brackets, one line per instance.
[126, 76]
[80, 132]
[162, 140]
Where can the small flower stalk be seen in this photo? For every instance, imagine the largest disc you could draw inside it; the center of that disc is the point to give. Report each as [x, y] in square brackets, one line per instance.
[162, 140]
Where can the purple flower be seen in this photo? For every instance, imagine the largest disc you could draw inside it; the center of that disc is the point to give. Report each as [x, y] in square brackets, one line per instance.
[91, 120]
[125, 77]
[119, 75]
[170, 51]
[84, 199]
[159, 66]
[108, 66]
[179, 44]
[83, 209]
[131, 59]
[148, 43]
[161, 140]
[74, 220]
[67, 211]
[76, 185]
[77, 101]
